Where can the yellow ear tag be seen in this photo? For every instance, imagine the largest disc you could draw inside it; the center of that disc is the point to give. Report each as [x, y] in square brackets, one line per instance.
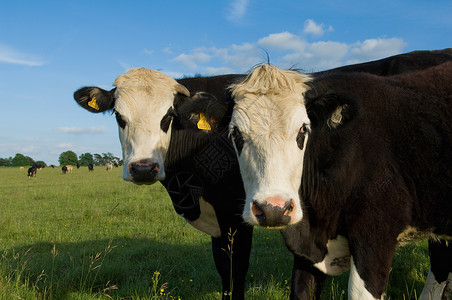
[93, 103]
[202, 123]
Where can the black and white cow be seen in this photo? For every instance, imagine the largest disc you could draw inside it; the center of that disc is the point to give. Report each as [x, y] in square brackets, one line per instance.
[146, 103]
[167, 135]
[355, 163]
[32, 171]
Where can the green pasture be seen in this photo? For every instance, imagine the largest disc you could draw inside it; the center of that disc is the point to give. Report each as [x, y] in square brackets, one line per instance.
[90, 235]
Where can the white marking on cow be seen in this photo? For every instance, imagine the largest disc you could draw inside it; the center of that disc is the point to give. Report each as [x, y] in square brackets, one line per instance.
[337, 259]
[143, 97]
[433, 290]
[356, 287]
[207, 221]
[269, 112]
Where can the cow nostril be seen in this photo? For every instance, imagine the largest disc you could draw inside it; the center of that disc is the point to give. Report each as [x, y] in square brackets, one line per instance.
[257, 211]
[290, 208]
[144, 170]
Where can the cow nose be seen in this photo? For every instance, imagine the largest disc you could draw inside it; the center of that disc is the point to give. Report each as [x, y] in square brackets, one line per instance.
[273, 211]
[144, 171]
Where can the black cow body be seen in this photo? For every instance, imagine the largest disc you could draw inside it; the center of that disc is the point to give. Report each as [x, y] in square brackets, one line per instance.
[201, 164]
[90, 167]
[32, 171]
[64, 169]
[383, 176]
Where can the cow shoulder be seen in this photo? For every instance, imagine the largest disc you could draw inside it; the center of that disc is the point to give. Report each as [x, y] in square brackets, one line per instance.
[95, 99]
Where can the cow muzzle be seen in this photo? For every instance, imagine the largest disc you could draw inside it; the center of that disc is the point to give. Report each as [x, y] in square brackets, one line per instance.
[273, 212]
[144, 171]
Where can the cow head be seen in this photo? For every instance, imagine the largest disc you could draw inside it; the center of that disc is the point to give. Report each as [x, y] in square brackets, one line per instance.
[274, 114]
[269, 128]
[142, 101]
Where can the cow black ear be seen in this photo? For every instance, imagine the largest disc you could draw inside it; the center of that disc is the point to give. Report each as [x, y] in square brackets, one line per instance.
[95, 99]
[332, 110]
[205, 111]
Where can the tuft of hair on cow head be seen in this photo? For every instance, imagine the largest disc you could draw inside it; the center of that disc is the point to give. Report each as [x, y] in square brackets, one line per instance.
[202, 112]
[95, 99]
[332, 109]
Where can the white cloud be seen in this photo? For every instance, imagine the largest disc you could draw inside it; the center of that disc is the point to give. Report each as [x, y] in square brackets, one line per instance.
[82, 130]
[65, 145]
[191, 60]
[372, 49]
[283, 41]
[287, 50]
[11, 56]
[236, 10]
[311, 27]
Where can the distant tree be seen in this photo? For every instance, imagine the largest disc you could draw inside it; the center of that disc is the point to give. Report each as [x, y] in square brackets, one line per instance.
[68, 158]
[108, 158]
[98, 160]
[20, 160]
[6, 162]
[41, 163]
[31, 161]
[86, 159]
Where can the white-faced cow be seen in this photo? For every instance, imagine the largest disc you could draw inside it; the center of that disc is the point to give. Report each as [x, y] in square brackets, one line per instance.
[169, 136]
[159, 125]
[356, 162]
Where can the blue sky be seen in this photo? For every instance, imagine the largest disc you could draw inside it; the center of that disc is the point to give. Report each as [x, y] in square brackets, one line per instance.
[48, 49]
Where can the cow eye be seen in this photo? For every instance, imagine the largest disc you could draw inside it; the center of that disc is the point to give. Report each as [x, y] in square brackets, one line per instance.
[120, 120]
[237, 138]
[301, 136]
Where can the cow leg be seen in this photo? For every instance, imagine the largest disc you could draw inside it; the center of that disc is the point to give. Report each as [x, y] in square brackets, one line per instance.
[370, 263]
[307, 280]
[439, 278]
[241, 237]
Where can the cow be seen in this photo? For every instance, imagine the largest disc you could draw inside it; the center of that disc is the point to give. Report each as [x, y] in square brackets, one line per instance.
[21, 168]
[68, 168]
[64, 169]
[355, 163]
[78, 166]
[163, 94]
[170, 135]
[90, 100]
[32, 171]
[108, 167]
[90, 167]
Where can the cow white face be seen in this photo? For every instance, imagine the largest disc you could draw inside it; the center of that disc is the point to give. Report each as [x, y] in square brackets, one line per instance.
[269, 128]
[141, 99]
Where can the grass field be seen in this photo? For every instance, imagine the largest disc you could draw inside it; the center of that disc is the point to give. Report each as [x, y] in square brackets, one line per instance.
[90, 235]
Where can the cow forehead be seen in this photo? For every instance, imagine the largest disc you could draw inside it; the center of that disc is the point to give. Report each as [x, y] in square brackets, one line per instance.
[269, 97]
[142, 88]
[268, 117]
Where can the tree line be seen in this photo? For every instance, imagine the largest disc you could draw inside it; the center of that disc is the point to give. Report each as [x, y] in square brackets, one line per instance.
[66, 158]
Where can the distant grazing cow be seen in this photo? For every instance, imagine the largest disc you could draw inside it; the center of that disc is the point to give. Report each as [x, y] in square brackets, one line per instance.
[64, 169]
[108, 167]
[32, 171]
[69, 168]
[21, 168]
[174, 113]
[90, 167]
[78, 166]
[358, 163]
